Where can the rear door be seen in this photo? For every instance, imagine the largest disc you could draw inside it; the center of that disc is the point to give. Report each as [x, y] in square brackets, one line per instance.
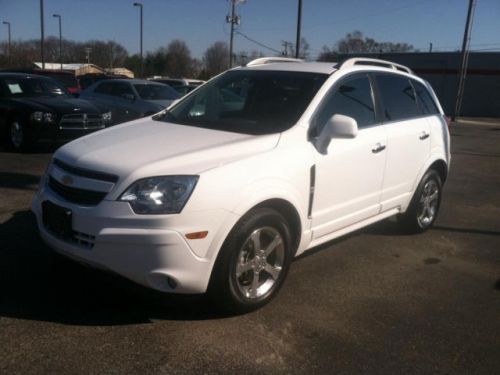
[348, 178]
[408, 138]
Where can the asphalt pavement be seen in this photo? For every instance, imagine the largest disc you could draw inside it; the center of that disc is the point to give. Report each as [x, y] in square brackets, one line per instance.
[373, 302]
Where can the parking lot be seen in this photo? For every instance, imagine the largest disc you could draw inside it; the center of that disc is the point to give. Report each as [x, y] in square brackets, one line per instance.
[373, 302]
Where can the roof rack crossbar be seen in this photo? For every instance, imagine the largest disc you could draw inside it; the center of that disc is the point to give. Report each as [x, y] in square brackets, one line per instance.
[376, 62]
[269, 60]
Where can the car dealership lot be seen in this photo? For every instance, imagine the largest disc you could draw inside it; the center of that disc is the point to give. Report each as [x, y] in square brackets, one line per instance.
[373, 302]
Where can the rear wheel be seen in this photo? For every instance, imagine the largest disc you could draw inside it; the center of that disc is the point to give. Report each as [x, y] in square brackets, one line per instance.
[253, 261]
[425, 203]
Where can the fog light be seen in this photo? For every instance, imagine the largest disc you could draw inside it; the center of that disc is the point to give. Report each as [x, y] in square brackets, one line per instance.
[171, 283]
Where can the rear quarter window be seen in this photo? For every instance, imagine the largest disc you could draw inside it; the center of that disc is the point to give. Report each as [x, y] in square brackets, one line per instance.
[398, 97]
[426, 103]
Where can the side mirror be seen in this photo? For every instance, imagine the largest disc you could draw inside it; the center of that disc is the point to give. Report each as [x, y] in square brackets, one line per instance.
[338, 126]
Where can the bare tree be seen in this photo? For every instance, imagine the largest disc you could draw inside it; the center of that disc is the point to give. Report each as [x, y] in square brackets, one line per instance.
[356, 42]
[178, 59]
[215, 58]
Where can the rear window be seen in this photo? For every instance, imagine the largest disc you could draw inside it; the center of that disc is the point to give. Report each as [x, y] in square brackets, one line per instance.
[398, 97]
[426, 104]
[155, 92]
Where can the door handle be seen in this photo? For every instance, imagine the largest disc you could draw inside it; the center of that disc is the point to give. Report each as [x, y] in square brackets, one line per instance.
[378, 147]
[423, 135]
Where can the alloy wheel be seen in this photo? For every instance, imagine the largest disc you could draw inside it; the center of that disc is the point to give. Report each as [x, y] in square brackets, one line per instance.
[260, 262]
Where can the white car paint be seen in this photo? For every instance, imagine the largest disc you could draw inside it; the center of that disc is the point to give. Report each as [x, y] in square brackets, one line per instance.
[354, 186]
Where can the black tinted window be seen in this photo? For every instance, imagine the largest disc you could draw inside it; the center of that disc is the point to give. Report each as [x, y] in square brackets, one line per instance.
[248, 101]
[156, 92]
[426, 104]
[104, 88]
[398, 97]
[121, 89]
[352, 98]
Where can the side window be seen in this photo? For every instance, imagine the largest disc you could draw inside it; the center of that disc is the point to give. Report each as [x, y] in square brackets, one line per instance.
[426, 104]
[121, 90]
[398, 97]
[104, 88]
[352, 98]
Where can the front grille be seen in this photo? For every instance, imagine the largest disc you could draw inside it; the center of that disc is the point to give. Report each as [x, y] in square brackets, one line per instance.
[76, 195]
[85, 172]
[81, 121]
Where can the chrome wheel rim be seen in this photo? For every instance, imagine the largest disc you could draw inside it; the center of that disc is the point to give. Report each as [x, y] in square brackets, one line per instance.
[428, 204]
[16, 134]
[259, 263]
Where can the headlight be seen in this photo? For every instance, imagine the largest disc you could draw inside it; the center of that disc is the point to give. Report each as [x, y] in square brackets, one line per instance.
[106, 116]
[39, 116]
[159, 195]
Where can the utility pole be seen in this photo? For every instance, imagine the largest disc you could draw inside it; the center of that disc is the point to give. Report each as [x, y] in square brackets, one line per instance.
[465, 59]
[285, 45]
[87, 53]
[60, 38]
[233, 19]
[299, 25]
[8, 29]
[142, 60]
[42, 34]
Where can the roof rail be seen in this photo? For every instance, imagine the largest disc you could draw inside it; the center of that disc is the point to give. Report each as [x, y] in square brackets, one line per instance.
[268, 60]
[374, 62]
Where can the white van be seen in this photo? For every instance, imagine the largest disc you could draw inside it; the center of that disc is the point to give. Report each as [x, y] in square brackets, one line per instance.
[263, 162]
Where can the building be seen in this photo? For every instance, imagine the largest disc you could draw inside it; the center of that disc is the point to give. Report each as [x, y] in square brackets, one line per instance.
[441, 69]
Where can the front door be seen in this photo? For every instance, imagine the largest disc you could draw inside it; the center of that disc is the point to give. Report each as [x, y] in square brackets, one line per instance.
[349, 176]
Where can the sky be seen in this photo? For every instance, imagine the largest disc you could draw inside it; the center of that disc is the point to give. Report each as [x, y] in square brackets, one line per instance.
[200, 23]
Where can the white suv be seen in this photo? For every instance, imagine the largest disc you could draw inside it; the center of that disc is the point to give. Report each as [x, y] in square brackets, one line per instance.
[263, 162]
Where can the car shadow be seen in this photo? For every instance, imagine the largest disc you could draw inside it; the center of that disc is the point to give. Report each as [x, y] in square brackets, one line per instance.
[13, 180]
[38, 284]
[37, 148]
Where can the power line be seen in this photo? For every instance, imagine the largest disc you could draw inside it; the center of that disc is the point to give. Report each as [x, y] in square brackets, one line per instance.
[257, 42]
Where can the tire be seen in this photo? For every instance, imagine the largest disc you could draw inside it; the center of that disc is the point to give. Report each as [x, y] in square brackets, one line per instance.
[424, 206]
[16, 136]
[244, 279]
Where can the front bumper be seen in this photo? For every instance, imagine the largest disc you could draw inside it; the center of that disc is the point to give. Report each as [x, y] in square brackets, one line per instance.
[151, 251]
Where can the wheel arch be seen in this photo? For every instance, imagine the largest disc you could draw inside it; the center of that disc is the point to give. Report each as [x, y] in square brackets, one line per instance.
[289, 213]
[441, 168]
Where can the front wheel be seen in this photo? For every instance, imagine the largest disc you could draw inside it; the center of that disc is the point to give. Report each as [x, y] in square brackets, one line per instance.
[253, 261]
[424, 205]
[17, 136]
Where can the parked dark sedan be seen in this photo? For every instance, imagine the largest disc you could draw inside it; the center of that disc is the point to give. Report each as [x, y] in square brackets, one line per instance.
[130, 99]
[34, 108]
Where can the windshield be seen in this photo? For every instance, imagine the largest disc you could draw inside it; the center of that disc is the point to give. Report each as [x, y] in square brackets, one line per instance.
[248, 101]
[29, 86]
[156, 92]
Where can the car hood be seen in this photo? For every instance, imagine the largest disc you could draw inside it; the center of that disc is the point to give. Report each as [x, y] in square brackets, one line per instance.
[146, 147]
[60, 105]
